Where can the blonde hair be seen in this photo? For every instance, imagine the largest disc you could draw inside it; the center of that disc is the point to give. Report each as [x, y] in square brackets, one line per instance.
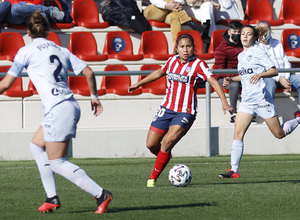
[38, 25]
[262, 32]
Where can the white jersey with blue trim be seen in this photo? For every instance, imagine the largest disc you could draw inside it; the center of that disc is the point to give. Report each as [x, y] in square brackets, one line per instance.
[47, 65]
[253, 61]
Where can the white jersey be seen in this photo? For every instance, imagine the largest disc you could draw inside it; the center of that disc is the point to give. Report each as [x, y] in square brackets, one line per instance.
[250, 62]
[47, 65]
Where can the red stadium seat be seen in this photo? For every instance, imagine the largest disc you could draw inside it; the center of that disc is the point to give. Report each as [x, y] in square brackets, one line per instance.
[58, 25]
[10, 43]
[158, 87]
[289, 12]
[214, 42]
[118, 45]
[79, 85]
[84, 46]
[117, 84]
[198, 44]
[16, 90]
[32, 88]
[158, 24]
[85, 14]
[290, 39]
[54, 37]
[257, 10]
[154, 45]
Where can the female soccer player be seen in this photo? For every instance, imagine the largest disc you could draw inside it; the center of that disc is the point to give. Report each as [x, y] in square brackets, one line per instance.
[179, 107]
[47, 65]
[254, 65]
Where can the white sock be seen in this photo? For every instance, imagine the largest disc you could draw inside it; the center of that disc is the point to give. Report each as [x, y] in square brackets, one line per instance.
[236, 154]
[76, 175]
[46, 173]
[289, 126]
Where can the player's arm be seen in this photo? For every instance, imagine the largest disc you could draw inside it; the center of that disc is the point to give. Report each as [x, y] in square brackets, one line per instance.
[218, 88]
[268, 74]
[150, 78]
[91, 80]
[7, 81]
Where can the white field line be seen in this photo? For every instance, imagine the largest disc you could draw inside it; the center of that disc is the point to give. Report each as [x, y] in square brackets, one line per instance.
[204, 163]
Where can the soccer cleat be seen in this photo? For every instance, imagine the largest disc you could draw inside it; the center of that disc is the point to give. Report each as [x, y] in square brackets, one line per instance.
[103, 201]
[229, 174]
[297, 114]
[151, 183]
[50, 204]
[57, 14]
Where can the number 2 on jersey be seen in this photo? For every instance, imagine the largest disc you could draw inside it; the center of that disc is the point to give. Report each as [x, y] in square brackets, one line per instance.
[57, 77]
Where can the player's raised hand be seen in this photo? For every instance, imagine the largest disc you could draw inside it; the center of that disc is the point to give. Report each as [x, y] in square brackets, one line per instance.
[96, 107]
[133, 87]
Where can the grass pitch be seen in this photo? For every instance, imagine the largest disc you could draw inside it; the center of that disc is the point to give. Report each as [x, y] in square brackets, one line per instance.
[269, 188]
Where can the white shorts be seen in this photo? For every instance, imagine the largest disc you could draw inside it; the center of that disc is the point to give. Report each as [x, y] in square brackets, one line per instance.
[60, 123]
[264, 109]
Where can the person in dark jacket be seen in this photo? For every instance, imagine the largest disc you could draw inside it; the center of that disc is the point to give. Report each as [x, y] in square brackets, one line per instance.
[226, 58]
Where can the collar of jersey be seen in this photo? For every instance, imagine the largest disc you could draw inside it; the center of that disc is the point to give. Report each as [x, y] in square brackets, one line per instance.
[192, 58]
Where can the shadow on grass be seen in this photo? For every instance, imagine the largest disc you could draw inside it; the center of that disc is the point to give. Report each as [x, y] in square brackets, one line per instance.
[250, 182]
[126, 209]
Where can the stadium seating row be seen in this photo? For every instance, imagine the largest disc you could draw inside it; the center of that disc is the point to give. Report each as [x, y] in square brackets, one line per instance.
[118, 45]
[85, 13]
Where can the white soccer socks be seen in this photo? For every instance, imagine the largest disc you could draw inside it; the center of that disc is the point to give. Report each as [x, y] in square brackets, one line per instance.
[76, 175]
[236, 154]
[46, 173]
[289, 126]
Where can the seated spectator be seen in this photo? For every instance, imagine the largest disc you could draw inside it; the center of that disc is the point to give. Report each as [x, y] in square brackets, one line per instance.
[274, 49]
[203, 11]
[172, 13]
[227, 11]
[4, 10]
[20, 12]
[226, 58]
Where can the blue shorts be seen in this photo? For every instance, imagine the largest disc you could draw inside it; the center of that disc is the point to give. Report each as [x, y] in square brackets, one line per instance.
[165, 118]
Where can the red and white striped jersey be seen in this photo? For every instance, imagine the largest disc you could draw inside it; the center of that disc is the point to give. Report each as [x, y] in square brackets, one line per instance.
[183, 80]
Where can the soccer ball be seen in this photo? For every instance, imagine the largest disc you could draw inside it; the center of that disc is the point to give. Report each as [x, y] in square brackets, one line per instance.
[180, 175]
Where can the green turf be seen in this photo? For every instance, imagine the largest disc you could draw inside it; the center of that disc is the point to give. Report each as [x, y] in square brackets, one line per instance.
[269, 188]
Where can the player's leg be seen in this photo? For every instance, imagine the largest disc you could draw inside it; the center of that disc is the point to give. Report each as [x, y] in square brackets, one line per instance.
[58, 127]
[242, 123]
[154, 139]
[37, 147]
[174, 134]
[284, 130]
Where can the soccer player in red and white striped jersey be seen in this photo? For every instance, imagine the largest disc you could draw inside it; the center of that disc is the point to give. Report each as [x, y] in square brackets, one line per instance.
[179, 107]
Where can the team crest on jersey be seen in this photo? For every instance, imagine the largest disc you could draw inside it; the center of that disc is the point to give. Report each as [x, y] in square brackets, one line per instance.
[188, 69]
[249, 58]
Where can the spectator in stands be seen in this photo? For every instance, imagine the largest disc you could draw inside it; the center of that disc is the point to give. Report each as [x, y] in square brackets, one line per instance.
[226, 58]
[21, 11]
[172, 13]
[274, 49]
[227, 11]
[4, 9]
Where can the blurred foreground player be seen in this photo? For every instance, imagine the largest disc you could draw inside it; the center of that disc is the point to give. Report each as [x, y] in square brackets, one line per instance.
[47, 65]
